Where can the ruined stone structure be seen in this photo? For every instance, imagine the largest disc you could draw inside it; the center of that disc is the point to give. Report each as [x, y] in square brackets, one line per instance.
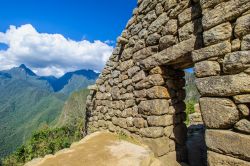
[140, 91]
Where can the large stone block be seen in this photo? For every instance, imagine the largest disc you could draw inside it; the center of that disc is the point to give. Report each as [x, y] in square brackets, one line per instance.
[236, 62]
[242, 26]
[217, 34]
[152, 132]
[154, 107]
[207, 68]
[224, 12]
[171, 54]
[211, 51]
[229, 143]
[219, 112]
[216, 159]
[165, 120]
[228, 85]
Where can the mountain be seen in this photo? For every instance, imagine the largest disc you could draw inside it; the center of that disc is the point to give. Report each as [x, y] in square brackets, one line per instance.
[192, 93]
[74, 109]
[68, 77]
[29, 102]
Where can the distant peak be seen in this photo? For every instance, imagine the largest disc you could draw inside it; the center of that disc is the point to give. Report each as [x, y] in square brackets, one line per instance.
[27, 70]
[23, 66]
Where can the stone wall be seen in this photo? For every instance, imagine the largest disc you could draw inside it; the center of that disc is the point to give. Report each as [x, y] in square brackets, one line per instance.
[140, 91]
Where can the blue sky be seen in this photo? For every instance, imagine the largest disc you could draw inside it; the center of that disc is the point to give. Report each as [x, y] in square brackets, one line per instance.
[55, 36]
[75, 19]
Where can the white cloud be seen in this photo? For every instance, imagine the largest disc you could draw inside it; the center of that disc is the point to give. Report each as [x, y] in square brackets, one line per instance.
[50, 54]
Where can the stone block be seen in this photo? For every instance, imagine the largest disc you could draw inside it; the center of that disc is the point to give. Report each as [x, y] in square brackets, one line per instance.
[150, 81]
[158, 23]
[207, 68]
[167, 41]
[158, 92]
[224, 12]
[216, 159]
[190, 29]
[219, 112]
[144, 53]
[133, 70]
[189, 14]
[245, 44]
[152, 132]
[236, 62]
[126, 65]
[244, 110]
[228, 85]
[235, 45]
[243, 126]
[211, 51]
[139, 122]
[154, 107]
[229, 143]
[139, 76]
[211, 3]
[170, 28]
[171, 54]
[164, 120]
[153, 39]
[217, 34]
[242, 26]
[181, 5]
[242, 98]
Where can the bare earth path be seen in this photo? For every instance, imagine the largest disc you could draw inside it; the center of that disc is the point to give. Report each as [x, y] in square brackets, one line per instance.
[100, 149]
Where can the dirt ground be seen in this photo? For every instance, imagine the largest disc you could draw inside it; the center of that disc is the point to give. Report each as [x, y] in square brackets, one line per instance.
[99, 149]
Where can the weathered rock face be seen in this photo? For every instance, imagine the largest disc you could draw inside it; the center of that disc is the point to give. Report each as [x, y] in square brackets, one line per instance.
[219, 112]
[140, 91]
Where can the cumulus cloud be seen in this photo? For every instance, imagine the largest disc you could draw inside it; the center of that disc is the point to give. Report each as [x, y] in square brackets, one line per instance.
[50, 54]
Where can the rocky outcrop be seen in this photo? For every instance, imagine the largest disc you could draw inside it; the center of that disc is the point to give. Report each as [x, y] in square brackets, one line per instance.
[140, 91]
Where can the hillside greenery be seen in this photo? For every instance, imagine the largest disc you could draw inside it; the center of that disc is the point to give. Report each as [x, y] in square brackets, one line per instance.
[28, 102]
[59, 134]
[43, 142]
[23, 109]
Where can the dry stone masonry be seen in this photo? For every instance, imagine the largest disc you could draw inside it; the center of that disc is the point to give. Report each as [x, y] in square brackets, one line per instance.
[141, 92]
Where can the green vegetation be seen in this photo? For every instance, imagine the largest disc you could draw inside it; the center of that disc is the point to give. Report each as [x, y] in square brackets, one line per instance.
[192, 95]
[28, 101]
[189, 110]
[46, 141]
[73, 109]
[65, 128]
[24, 107]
